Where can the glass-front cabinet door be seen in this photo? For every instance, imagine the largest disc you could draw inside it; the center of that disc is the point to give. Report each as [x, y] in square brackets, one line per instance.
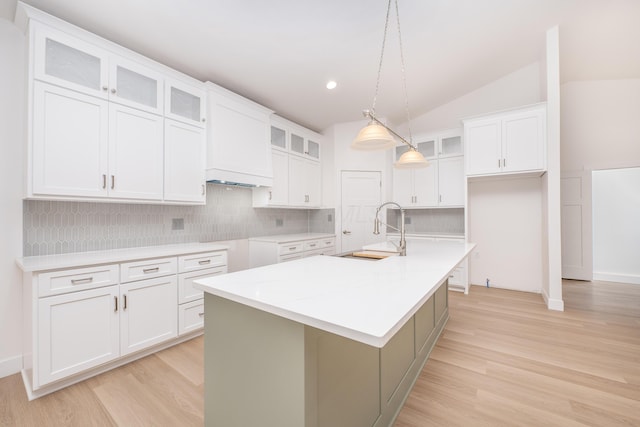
[451, 146]
[136, 86]
[185, 103]
[313, 149]
[427, 148]
[297, 144]
[278, 138]
[65, 61]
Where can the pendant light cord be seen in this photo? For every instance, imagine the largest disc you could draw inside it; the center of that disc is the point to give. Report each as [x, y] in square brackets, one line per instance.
[384, 41]
[404, 79]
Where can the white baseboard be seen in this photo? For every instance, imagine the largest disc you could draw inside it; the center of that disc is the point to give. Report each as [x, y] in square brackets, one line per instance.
[552, 303]
[613, 277]
[10, 366]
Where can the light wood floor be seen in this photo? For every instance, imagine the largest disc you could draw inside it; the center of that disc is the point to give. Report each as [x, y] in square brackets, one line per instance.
[503, 360]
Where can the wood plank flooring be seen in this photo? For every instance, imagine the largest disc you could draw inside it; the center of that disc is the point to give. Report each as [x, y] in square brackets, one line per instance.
[503, 360]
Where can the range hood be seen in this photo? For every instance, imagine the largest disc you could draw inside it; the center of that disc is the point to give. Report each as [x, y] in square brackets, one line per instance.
[238, 140]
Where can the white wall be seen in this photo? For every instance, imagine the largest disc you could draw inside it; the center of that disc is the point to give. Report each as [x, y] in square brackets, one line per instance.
[519, 88]
[600, 124]
[11, 146]
[616, 225]
[506, 224]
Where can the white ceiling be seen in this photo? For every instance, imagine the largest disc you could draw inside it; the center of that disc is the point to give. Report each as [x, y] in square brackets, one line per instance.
[281, 53]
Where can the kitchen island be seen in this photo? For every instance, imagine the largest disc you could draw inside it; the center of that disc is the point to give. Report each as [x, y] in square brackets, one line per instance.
[323, 341]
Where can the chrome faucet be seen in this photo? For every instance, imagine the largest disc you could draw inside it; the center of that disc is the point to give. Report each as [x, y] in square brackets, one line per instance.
[402, 247]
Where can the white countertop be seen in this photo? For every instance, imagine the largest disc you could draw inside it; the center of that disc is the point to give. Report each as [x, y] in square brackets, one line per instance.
[80, 259]
[367, 301]
[286, 238]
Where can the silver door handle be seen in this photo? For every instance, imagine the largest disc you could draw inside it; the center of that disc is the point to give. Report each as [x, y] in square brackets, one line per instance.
[104, 181]
[113, 182]
[346, 232]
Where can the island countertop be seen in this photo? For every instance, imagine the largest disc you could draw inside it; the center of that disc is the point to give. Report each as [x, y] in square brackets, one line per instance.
[367, 301]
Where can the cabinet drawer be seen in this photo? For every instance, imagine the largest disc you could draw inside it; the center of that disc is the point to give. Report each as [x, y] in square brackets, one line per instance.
[186, 291]
[311, 245]
[77, 279]
[313, 253]
[190, 316]
[290, 248]
[329, 242]
[328, 251]
[147, 269]
[289, 257]
[201, 261]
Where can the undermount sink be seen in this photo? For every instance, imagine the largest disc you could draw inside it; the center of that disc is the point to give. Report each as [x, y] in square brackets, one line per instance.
[366, 255]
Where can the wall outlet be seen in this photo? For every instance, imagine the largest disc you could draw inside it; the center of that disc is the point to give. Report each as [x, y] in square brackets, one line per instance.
[177, 224]
[279, 222]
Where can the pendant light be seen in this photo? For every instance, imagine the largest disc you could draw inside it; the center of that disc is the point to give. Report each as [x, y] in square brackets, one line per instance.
[378, 136]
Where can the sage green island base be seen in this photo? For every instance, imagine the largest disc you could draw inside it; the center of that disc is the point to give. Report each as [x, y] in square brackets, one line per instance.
[268, 371]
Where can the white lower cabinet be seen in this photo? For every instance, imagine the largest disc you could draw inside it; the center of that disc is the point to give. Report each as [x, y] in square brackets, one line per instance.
[75, 332]
[276, 249]
[86, 319]
[147, 313]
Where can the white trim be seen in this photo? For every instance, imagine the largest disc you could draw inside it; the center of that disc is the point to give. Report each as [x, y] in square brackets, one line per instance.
[552, 303]
[10, 366]
[614, 277]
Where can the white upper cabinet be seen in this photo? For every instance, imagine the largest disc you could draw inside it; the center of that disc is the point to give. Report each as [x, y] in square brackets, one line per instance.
[441, 184]
[238, 132]
[185, 103]
[507, 143]
[97, 115]
[184, 156]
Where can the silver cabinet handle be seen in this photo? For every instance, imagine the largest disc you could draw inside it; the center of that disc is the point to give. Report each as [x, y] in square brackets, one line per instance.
[124, 306]
[151, 270]
[200, 314]
[104, 181]
[113, 182]
[113, 90]
[104, 88]
[270, 195]
[81, 281]
[203, 187]
[504, 163]
[312, 245]
[204, 261]
[346, 232]
[498, 162]
[292, 248]
[440, 198]
[116, 304]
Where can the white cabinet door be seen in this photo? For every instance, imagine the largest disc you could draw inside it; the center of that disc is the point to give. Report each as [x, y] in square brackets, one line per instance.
[136, 86]
[148, 313]
[403, 193]
[184, 175]
[69, 143]
[279, 193]
[297, 181]
[425, 183]
[314, 184]
[185, 103]
[451, 181]
[76, 331]
[67, 61]
[135, 153]
[523, 141]
[483, 147]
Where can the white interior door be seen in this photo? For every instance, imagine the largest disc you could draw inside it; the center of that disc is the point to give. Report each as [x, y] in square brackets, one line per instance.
[577, 246]
[360, 199]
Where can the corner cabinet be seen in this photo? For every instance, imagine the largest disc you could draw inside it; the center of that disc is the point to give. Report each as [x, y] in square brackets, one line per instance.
[97, 120]
[441, 184]
[297, 168]
[510, 142]
[84, 319]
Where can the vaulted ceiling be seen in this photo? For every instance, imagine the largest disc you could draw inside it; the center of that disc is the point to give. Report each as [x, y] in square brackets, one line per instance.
[281, 53]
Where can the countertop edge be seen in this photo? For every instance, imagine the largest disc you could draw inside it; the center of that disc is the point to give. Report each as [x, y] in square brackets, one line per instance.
[83, 259]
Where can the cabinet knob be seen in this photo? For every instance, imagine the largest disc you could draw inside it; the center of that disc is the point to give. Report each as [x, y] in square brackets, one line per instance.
[104, 88]
[113, 90]
[204, 120]
[346, 232]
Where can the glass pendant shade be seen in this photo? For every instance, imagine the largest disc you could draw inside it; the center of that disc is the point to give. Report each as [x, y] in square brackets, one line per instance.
[373, 137]
[411, 159]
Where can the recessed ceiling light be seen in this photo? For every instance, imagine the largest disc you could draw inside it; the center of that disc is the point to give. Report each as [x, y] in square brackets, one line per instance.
[331, 84]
